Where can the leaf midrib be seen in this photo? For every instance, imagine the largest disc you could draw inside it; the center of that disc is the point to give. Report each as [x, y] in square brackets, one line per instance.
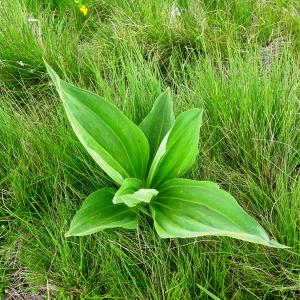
[201, 204]
[114, 132]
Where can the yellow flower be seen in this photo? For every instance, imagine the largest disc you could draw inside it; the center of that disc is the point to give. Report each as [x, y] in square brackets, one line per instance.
[84, 10]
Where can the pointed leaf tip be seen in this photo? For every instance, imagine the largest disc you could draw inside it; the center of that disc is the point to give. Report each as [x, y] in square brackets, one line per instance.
[54, 77]
[275, 244]
[159, 121]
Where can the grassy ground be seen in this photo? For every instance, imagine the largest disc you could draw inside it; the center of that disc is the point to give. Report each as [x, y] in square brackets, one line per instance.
[237, 59]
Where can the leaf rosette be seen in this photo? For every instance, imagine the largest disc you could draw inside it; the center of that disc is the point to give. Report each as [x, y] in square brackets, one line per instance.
[146, 162]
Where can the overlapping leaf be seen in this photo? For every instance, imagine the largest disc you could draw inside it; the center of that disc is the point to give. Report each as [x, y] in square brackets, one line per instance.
[131, 193]
[178, 150]
[158, 122]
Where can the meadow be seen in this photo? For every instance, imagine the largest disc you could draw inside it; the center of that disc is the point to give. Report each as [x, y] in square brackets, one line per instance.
[238, 60]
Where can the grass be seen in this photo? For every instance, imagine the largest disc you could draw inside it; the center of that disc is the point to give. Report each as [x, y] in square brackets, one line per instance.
[237, 59]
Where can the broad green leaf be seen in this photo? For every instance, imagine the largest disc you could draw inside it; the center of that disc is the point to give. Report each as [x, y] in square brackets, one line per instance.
[178, 150]
[188, 208]
[159, 121]
[131, 193]
[116, 143]
[98, 213]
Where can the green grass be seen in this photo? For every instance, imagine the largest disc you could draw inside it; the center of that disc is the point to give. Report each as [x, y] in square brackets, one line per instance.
[237, 59]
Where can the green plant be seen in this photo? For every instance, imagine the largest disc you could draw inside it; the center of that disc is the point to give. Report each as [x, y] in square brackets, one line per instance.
[146, 161]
